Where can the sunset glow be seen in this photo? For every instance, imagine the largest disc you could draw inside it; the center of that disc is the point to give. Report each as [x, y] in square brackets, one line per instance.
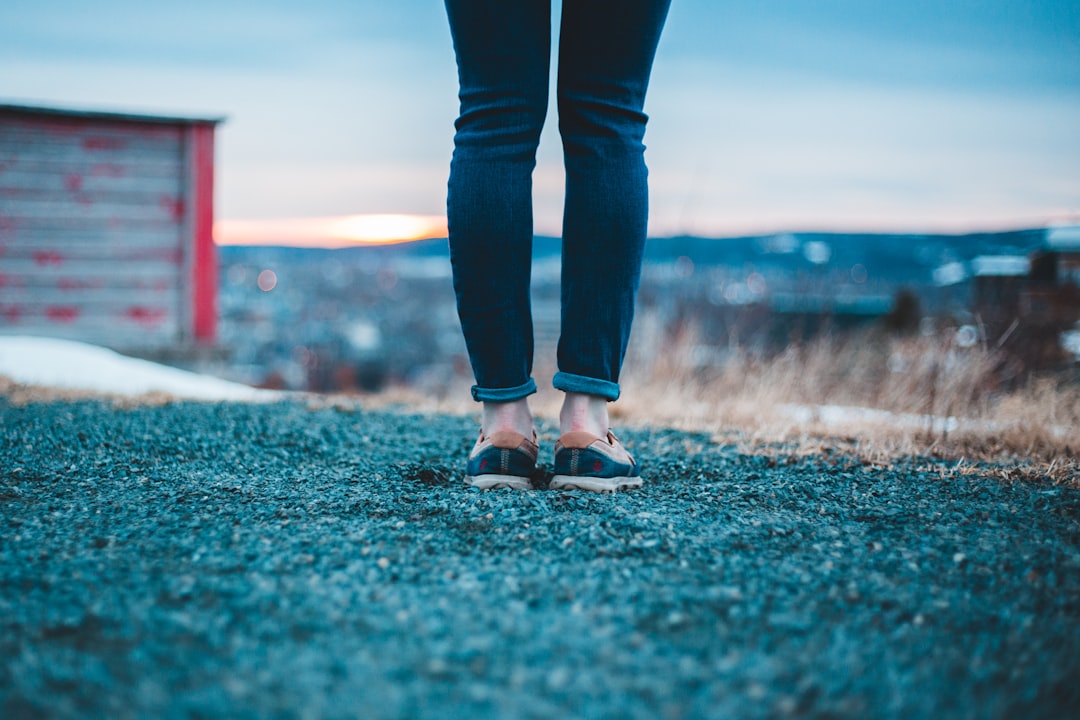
[331, 232]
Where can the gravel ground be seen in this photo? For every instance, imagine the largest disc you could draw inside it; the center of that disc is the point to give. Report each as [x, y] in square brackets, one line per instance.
[191, 560]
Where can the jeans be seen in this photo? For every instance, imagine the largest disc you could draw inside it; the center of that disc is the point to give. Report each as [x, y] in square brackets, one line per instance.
[503, 50]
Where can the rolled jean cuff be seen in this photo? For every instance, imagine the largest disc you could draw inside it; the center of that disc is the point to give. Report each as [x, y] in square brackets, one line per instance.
[480, 394]
[568, 382]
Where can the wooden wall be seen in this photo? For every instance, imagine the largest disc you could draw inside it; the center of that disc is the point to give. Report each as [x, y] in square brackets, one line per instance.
[105, 230]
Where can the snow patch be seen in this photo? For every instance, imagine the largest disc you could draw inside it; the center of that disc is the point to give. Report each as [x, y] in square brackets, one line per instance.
[69, 365]
[833, 415]
[849, 416]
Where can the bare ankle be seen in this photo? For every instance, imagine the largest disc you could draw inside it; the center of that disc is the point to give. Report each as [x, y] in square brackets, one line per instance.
[514, 415]
[584, 413]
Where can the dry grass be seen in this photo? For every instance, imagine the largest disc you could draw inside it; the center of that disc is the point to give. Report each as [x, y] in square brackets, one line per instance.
[898, 398]
[22, 394]
[870, 396]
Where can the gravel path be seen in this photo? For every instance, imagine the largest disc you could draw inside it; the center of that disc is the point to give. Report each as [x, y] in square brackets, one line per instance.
[198, 560]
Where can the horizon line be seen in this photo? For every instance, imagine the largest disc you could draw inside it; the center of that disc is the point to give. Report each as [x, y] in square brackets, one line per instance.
[381, 229]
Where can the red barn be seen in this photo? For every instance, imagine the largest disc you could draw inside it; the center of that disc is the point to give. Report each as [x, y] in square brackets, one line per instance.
[106, 224]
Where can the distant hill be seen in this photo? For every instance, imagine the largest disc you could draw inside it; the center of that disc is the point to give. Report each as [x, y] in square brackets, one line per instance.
[911, 257]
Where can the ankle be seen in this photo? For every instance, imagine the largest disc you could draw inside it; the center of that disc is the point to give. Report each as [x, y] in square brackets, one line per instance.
[514, 416]
[584, 413]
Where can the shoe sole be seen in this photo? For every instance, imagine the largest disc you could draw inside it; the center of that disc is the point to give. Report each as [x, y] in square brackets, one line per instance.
[594, 484]
[498, 482]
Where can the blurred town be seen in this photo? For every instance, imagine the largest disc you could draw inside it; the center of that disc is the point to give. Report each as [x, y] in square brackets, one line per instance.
[107, 236]
[365, 318]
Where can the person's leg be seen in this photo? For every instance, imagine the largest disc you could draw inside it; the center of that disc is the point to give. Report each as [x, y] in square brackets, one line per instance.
[503, 57]
[582, 412]
[514, 415]
[605, 57]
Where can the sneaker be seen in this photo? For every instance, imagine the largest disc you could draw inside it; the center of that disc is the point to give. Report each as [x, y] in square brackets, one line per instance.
[505, 460]
[584, 461]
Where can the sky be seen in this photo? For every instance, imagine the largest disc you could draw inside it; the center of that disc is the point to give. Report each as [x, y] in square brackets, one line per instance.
[787, 115]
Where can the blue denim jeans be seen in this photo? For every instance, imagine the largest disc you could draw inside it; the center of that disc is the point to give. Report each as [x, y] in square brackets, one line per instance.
[503, 50]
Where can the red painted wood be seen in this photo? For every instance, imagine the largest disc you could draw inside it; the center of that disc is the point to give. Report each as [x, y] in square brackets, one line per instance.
[174, 206]
[103, 143]
[146, 316]
[106, 227]
[204, 266]
[48, 257]
[62, 313]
